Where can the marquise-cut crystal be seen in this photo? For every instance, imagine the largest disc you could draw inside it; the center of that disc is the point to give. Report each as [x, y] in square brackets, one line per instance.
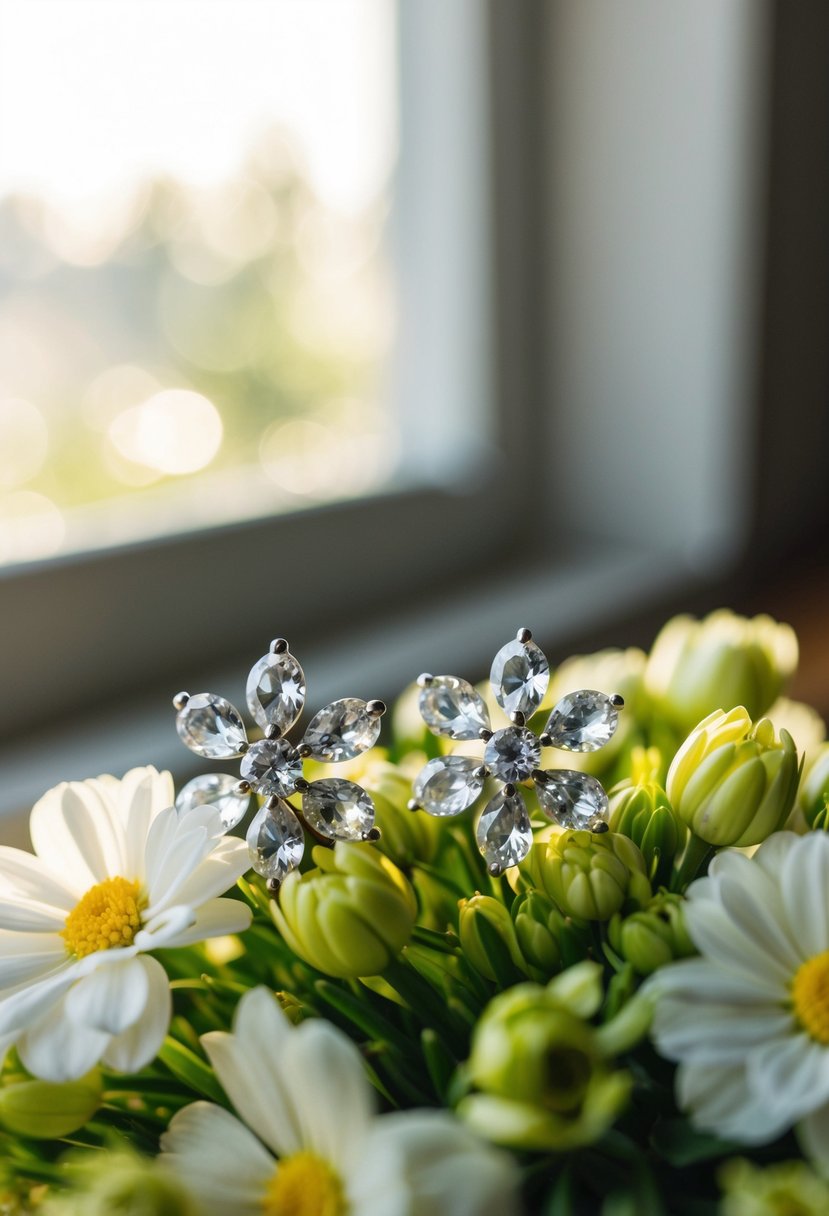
[275, 842]
[272, 766]
[341, 731]
[512, 754]
[276, 691]
[211, 727]
[218, 790]
[452, 707]
[503, 833]
[338, 809]
[448, 785]
[520, 675]
[582, 721]
[571, 799]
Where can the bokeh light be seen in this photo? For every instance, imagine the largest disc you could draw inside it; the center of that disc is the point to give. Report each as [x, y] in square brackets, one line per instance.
[24, 442]
[31, 527]
[175, 431]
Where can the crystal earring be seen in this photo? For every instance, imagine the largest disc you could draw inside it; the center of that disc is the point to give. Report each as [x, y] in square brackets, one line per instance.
[581, 722]
[332, 808]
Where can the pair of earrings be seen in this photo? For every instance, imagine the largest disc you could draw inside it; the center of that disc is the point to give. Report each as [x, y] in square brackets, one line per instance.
[333, 808]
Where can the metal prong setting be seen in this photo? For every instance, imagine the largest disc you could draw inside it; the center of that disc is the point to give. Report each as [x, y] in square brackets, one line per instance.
[618, 700]
[509, 790]
[545, 740]
[539, 776]
[272, 886]
[523, 636]
[482, 772]
[372, 834]
[425, 679]
[485, 734]
[518, 719]
[495, 870]
[375, 709]
[598, 827]
[272, 731]
[242, 787]
[301, 785]
[180, 700]
[278, 646]
[304, 751]
[414, 805]
[244, 747]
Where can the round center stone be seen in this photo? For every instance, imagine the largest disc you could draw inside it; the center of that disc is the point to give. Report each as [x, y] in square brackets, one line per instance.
[512, 754]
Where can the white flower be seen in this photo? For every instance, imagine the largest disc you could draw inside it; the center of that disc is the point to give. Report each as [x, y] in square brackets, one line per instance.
[749, 1020]
[116, 872]
[304, 1098]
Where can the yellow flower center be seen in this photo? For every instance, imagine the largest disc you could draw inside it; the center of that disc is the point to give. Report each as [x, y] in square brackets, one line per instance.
[810, 995]
[109, 914]
[305, 1185]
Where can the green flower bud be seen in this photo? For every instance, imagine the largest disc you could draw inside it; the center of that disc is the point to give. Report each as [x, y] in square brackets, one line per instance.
[539, 1067]
[351, 916]
[119, 1183]
[405, 838]
[723, 660]
[653, 937]
[539, 927]
[643, 813]
[488, 939]
[813, 795]
[47, 1111]
[731, 783]
[773, 1190]
[590, 876]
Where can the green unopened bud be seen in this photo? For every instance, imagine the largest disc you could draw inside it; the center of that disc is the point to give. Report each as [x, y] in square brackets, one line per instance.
[119, 1183]
[542, 1075]
[48, 1111]
[590, 876]
[785, 1188]
[405, 837]
[733, 783]
[489, 941]
[653, 937]
[813, 795]
[724, 660]
[643, 813]
[351, 916]
[539, 927]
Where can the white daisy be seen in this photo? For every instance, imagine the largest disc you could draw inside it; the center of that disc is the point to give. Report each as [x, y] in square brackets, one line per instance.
[116, 872]
[749, 1020]
[303, 1097]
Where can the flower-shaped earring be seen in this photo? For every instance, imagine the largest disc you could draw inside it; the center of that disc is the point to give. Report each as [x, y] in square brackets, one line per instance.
[332, 808]
[581, 722]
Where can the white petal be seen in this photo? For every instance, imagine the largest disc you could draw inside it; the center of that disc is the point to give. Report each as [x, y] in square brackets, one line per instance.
[721, 1102]
[217, 873]
[707, 1032]
[75, 829]
[716, 937]
[111, 999]
[164, 928]
[695, 979]
[791, 1077]
[25, 956]
[250, 1064]
[142, 795]
[25, 876]
[24, 1005]
[186, 851]
[218, 1160]
[449, 1170]
[332, 1094]
[214, 919]
[813, 1134]
[57, 1048]
[138, 1046]
[29, 917]
[751, 909]
[805, 885]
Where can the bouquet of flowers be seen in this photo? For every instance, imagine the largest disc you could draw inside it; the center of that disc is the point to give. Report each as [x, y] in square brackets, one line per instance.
[607, 991]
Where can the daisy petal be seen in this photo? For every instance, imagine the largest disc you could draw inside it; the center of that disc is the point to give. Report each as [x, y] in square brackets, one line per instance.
[30, 917]
[322, 1061]
[23, 1006]
[165, 928]
[218, 1160]
[695, 979]
[710, 1032]
[716, 937]
[228, 860]
[806, 891]
[111, 999]
[57, 1048]
[720, 1101]
[139, 1045]
[26, 956]
[214, 919]
[250, 1064]
[24, 876]
[791, 1077]
[143, 793]
[76, 832]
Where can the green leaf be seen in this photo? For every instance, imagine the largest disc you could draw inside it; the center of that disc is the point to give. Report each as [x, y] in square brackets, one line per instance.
[191, 1069]
[439, 1061]
[679, 1144]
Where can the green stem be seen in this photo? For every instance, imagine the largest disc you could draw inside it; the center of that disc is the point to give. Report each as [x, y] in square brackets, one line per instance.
[696, 854]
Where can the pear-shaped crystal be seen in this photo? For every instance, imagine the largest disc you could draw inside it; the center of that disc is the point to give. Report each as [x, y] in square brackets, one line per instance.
[582, 721]
[272, 767]
[219, 790]
[448, 785]
[211, 727]
[275, 841]
[338, 809]
[519, 676]
[571, 799]
[503, 833]
[512, 754]
[276, 691]
[341, 731]
[452, 707]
